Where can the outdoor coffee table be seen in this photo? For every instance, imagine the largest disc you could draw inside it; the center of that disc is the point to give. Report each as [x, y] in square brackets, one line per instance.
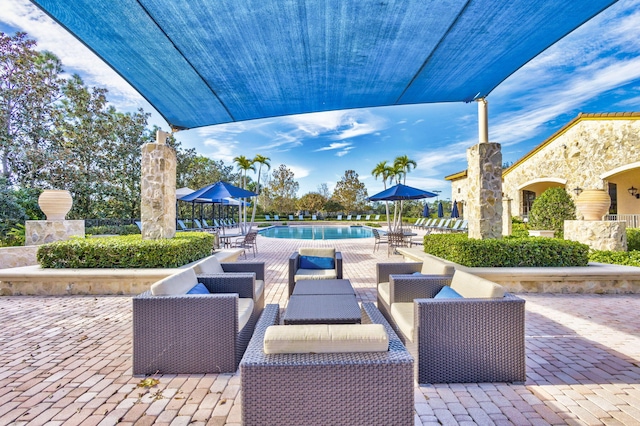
[322, 309]
[308, 287]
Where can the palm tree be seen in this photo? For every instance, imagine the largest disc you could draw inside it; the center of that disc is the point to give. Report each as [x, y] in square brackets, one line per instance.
[402, 166]
[261, 160]
[385, 172]
[244, 164]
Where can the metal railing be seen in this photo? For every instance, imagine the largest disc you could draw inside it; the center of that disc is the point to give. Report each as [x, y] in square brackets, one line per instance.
[633, 220]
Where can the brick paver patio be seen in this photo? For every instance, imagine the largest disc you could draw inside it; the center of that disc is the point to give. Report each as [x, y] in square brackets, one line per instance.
[67, 360]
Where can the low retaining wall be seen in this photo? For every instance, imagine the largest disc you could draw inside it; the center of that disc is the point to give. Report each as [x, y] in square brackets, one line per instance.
[36, 281]
[596, 278]
[14, 257]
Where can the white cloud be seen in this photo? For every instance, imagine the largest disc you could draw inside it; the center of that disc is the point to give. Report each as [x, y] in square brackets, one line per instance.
[334, 145]
[299, 171]
[220, 150]
[344, 151]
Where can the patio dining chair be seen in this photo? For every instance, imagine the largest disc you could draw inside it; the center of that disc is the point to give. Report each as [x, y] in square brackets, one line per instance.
[395, 240]
[378, 239]
[247, 242]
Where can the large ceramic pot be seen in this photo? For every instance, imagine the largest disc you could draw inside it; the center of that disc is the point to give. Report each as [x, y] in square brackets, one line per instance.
[55, 203]
[593, 204]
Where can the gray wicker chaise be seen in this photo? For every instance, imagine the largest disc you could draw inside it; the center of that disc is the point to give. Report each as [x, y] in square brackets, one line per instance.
[366, 388]
[190, 334]
[460, 340]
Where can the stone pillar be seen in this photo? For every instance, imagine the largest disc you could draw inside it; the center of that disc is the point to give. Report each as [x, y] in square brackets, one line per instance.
[506, 216]
[597, 234]
[484, 204]
[158, 190]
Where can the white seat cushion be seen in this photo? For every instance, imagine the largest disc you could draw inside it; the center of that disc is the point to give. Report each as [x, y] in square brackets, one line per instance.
[473, 286]
[245, 309]
[384, 293]
[178, 283]
[209, 265]
[315, 274]
[325, 338]
[258, 289]
[402, 314]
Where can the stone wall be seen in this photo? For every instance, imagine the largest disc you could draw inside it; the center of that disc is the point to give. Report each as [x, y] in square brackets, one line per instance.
[47, 231]
[580, 154]
[158, 191]
[483, 207]
[597, 234]
[14, 257]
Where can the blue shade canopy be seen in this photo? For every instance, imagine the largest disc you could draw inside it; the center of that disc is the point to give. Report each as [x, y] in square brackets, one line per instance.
[401, 192]
[203, 62]
[217, 192]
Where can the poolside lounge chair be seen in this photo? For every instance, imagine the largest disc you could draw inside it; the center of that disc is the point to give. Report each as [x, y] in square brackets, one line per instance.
[290, 217]
[359, 217]
[368, 217]
[377, 217]
[182, 226]
[303, 268]
[139, 225]
[276, 217]
[418, 223]
[340, 388]
[348, 217]
[300, 217]
[198, 225]
[267, 217]
[314, 217]
[454, 228]
[339, 217]
[464, 226]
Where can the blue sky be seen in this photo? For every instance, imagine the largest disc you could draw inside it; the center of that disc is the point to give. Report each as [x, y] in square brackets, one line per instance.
[594, 69]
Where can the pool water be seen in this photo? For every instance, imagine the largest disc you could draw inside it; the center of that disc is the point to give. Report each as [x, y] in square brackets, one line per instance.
[317, 232]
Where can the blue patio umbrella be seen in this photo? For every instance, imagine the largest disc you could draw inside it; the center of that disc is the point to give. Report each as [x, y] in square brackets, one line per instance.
[218, 191]
[454, 210]
[401, 192]
[425, 211]
[440, 210]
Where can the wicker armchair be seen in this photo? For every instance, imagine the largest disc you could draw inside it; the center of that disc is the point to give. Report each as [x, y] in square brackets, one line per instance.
[367, 388]
[296, 273]
[467, 340]
[191, 334]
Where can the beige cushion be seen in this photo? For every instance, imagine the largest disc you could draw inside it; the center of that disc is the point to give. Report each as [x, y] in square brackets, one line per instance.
[209, 265]
[473, 286]
[320, 252]
[258, 289]
[245, 309]
[315, 274]
[436, 267]
[384, 293]
[325, 338]
[402, 314]
[178, 283]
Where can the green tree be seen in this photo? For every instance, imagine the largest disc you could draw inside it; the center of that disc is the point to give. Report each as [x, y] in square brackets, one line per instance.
[260, 160]
[551, 209]
[402, 166]
[386, 172]
[350, 192]
[282, 190]
[29, 89]
[312, 201]
[244, 164]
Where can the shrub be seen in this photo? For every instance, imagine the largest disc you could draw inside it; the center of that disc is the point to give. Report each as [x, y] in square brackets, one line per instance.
[129, 251]
[508, 252]
[630, 258]
[373, 224]
[551, 209]
[112, 229]
[633, 239]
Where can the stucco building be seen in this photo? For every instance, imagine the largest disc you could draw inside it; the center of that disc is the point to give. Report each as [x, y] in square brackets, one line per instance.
[592, 151]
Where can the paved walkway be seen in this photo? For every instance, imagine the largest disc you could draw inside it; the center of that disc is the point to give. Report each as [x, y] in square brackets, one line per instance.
[67, 360]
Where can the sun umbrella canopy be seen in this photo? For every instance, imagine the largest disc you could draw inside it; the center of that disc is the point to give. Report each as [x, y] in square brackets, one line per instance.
[454, 210]
[208, 62]
[217, 192]
[401, 192]
[440, 210]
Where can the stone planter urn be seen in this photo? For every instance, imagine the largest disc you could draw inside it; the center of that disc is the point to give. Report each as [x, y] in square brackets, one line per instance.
[549, 233]
[55, 203]
[593, 204]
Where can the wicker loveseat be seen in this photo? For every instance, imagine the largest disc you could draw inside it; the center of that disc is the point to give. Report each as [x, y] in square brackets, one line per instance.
[298, 270]
[358, 388]
[196, 333]
[477, 338]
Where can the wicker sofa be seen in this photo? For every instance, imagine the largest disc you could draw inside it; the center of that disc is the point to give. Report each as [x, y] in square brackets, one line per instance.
[365, 388]
[297, 273]
[188, 334]
[478, 338]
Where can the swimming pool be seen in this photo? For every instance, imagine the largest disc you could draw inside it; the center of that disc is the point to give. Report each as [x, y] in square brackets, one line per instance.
[317, 232]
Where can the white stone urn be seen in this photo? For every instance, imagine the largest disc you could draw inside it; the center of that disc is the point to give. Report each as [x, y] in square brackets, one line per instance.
[55, 203]
[593, 204]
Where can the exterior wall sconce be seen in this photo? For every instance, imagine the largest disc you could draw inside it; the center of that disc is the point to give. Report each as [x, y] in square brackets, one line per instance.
[634, 192]
[577, 190]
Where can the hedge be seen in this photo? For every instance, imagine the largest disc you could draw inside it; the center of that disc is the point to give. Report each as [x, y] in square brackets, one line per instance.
[112, 229]
[128, 251]
[507, 252]
[630, 258]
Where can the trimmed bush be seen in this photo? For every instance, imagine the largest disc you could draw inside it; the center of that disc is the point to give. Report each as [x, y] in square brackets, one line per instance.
[112, 229]
[630, 258]
[551, 209]
[129, 251]
[633, 239]
[508, 252]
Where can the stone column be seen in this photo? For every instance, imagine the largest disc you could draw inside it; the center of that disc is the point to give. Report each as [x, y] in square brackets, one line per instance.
[506, 216]
[158, 190]
[484, 204]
